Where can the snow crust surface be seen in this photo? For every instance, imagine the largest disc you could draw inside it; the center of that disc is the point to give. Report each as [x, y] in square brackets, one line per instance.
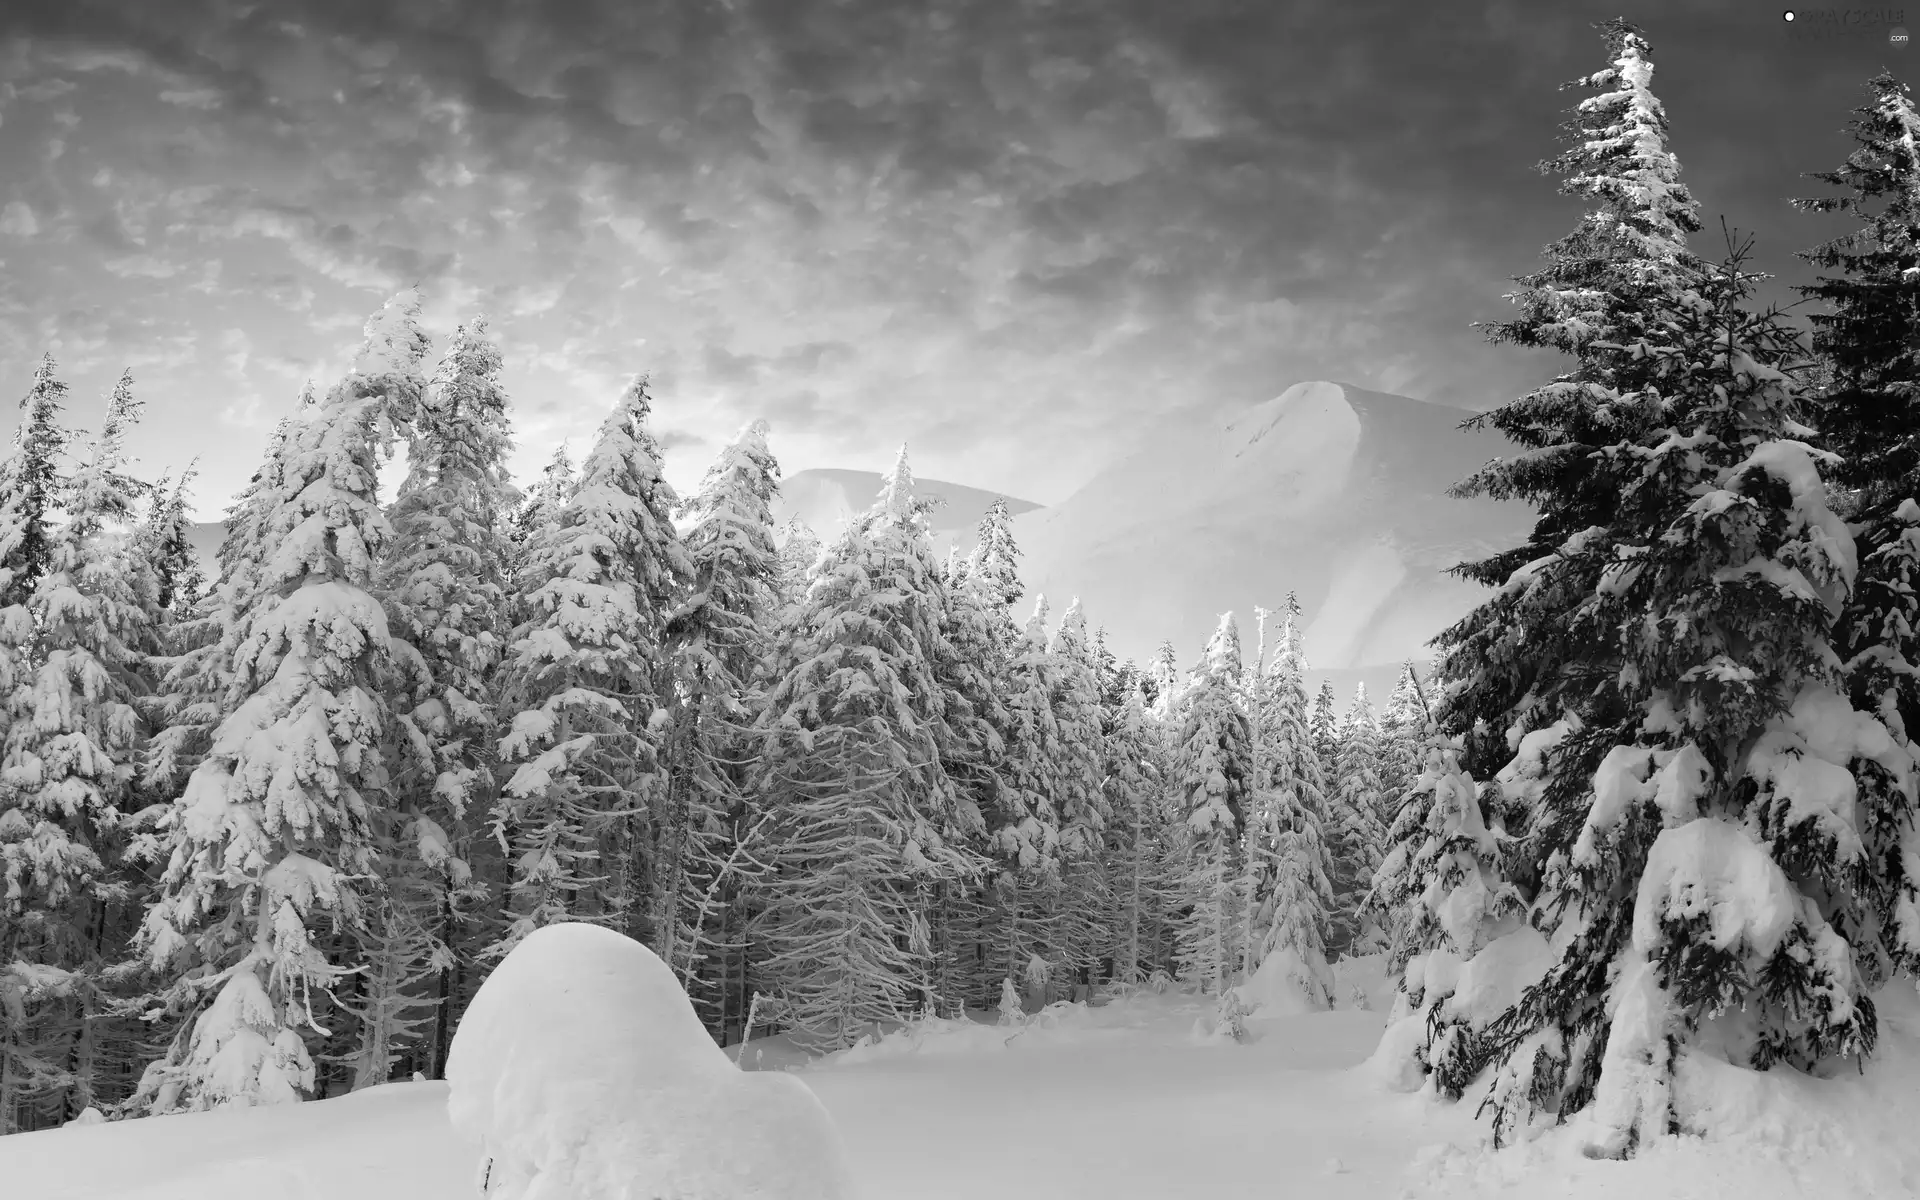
[1106, 1102]
[583, 1073]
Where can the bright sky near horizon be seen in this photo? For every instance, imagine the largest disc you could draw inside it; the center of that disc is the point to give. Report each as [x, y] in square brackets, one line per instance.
[1007, 232]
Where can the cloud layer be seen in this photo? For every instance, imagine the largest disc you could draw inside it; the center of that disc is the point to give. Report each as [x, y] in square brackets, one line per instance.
[1012, 233]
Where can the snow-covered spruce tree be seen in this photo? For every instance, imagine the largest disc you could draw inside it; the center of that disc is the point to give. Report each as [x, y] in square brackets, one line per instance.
[717, 640]
[546, 498]
[1324, 727]
[1357, 841]
[444, 586]
[1592, 300]
[1450, 901]
[1080, 802]
[584, 681]
[1163, 675]
[1702, 830]
[77, 646]
[165, 542]
[1215, 775]
[995, 560]
[864, 817]
[1403, 730]
[1107, 671]
[799, 551]
[1289, 867]
[1143, 842]
[972, 677]
[272, 841]
[1024, 829]
[30, 484]
[192, 695]
[1869, 412]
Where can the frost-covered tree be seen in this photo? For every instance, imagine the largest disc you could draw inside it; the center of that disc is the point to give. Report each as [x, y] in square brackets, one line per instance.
[1869, 406]
[1214, 774]
[583, 681]
[972, 674]
[996, 558]
[1450, 899]
[443, 582]
[165, 541]
[272, 843]
[1078, 800]
[1288, 866]
[1324, 727]
[1403, 729]
[1870, 286]
[717, 638]
[1595, 300]
[1024, 832]
[864, 818]
[799, 551]
[1163, 675]
[76, 648]
[1716, 765]
[1356, 839]
[30, 484]
[1144, 842]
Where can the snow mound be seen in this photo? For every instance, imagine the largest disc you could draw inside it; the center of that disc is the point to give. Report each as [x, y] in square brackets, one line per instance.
[1287, 985]
[583, 1074]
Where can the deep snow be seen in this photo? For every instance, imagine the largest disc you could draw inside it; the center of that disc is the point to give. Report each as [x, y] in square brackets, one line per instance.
[1112, 1102]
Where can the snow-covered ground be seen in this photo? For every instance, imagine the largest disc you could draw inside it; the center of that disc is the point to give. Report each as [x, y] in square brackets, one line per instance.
[1113, 1102]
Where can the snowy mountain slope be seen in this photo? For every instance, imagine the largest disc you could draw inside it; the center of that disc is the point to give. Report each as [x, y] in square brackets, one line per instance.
[1328, 490]
[1112, 1103]
[826, 498]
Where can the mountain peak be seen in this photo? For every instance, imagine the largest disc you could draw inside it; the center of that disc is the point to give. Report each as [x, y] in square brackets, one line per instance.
[1329, 490]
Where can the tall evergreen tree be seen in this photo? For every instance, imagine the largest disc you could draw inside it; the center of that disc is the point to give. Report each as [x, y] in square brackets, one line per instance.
[717, 638]
[1869, 405]
[78, 646]
[865, 820]
[1324, 726]
[1215, 774]
[30, 485]
[445, 589]
[1356, 839]
[167, 544]
[1870, 412]
[1447, 897]
[584, 679]
[274, 833]
[1290, 869]
[1594, 300]
[995, 558]
[1705, 602]
[1144, 842]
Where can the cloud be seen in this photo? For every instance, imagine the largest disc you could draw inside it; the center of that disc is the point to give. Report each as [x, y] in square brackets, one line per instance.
[17, 220]
[1009, 233]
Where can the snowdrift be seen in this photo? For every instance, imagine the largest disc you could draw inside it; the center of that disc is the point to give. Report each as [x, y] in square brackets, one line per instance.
[583, 1074]
[1328, 490]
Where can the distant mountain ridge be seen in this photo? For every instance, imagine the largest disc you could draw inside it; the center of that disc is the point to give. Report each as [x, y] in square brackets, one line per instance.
[1331, 491]
[827, 498]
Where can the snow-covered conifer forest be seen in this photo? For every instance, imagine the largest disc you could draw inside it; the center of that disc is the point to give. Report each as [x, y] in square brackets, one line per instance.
[1630, 869]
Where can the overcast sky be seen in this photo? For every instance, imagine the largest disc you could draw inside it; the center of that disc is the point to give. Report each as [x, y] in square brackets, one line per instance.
[1011, 233]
